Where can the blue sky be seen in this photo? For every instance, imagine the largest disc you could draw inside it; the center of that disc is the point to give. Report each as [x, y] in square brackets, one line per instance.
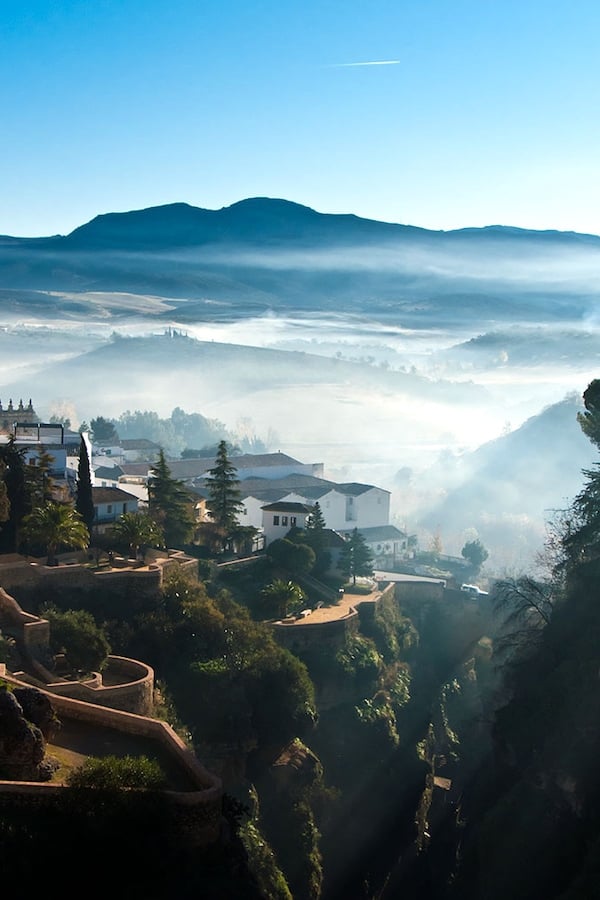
[486, 111]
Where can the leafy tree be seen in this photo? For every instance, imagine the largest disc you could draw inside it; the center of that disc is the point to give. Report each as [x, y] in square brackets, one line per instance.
[224, 496]
[104, 431]
[356, 558]
[4, 501]
[589, 421]
[286, 554]
[37, 475]
[283, 597]
[55, 525]
[84, 503]
[17, 491]
[76, 633]
[136, 530]
[581, 528]
[60, 420]
[475, 553]
[169, 504]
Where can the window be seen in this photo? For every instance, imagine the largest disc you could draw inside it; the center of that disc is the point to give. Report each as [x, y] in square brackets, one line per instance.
[275, 520]
[109, 508]
[124, 508]
[284, 520]
[293, 521]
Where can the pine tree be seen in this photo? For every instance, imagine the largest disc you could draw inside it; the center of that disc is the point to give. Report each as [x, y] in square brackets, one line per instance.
[224, 500]
[356, 558]
[84, 503]
[315, 538]
[169, 504]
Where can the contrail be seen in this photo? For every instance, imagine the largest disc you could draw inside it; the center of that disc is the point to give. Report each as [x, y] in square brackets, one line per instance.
[376, 62]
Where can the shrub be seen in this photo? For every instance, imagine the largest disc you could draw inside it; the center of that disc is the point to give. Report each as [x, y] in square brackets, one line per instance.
[114, 773]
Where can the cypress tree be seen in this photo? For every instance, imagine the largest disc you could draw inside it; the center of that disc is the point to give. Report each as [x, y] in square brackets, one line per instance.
[84, 503]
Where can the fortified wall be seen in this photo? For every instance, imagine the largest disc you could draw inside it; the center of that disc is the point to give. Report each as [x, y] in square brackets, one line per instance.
[196, 813]
[128, 581]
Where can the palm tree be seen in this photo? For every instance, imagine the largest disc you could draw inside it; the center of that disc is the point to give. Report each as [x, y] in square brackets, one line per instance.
[284, 596]
[135, 529]
[56, 525]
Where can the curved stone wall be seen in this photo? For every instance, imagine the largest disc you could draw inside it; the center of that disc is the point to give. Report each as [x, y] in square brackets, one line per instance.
[198, 812]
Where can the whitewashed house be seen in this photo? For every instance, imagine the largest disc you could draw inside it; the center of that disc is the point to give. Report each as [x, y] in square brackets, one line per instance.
[279, 517]
[109, 504]
[388, 545]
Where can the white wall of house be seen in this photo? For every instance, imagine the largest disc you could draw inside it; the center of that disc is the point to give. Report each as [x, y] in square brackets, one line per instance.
[384, 552]
[252, 516]
[276, 524]
[108, 455]
[108, 513]
[343, 512]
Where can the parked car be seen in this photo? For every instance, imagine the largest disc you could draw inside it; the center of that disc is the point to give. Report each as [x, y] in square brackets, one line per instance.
[472, 589]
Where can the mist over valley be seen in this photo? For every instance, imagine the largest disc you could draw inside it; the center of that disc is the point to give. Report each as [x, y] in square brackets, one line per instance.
[434, 364]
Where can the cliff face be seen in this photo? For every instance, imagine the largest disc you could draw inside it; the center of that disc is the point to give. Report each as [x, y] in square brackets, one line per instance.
[531, 815]
[26, 720]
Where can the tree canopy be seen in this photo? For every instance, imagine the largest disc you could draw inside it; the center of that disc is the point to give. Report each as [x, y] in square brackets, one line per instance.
[356, 558]
[55, 525]
[224, 496]
[286, 554]
[84, 503]
[475, 553]
[282, 597]
[104, 431]
[170, 504]
[75, 632]
[136, 529]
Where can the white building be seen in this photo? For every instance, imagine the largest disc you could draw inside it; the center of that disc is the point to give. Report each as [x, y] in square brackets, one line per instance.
[109, 504]
[279, 517]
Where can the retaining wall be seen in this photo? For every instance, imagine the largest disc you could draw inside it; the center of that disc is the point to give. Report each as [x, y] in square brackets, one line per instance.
[197, 813]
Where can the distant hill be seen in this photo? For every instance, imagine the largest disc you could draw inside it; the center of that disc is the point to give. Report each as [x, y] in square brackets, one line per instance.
[265, 254]
[508, 487]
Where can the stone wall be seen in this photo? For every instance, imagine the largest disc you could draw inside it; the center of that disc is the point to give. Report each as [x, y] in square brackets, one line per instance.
[197, 812]
[333, 634]
[125, 684]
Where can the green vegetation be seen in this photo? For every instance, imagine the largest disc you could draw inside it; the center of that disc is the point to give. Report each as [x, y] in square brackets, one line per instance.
[55, 525]
[356, 558]
[17, 497]
[282, 598]
[84, 503]
[170, 504]
[75, 633]
[294, 557]
[134, 530]
[262, 862]
[475, 554]
[115, 773]
[224, 503]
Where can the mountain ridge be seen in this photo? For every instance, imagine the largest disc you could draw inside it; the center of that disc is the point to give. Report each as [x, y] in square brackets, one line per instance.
[182, 224]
